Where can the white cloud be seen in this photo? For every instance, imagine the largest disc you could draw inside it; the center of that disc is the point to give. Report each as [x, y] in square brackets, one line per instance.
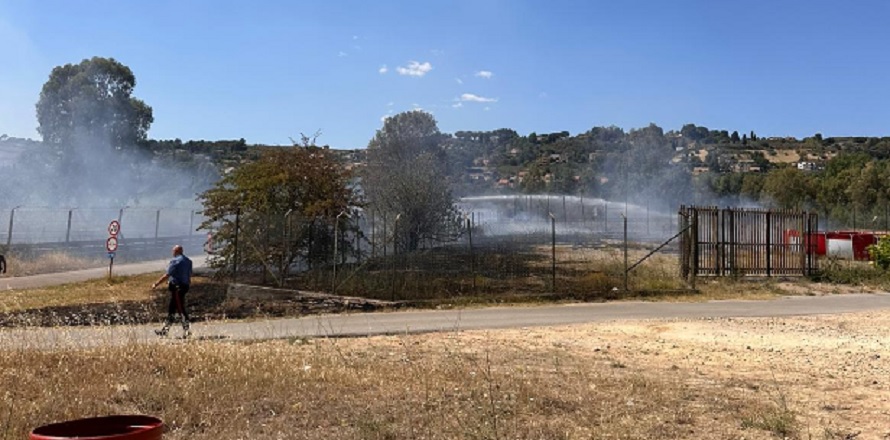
[487, 108]
[415, 69]
[469, 97]
[342, 54]
[390, 104]
[487, 74]
[437, 52]
[543, 95]
[457, 104]
[383, 69]
[459, 81]
[355, 37]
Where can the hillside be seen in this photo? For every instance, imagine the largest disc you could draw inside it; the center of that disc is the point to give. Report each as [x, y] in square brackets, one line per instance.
[838, 177]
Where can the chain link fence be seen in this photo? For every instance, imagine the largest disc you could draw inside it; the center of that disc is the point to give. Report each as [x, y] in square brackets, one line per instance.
[497, 254]
[146, 232]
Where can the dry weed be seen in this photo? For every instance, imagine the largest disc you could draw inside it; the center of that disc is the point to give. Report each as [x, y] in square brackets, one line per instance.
[378, 388]
[20, 265]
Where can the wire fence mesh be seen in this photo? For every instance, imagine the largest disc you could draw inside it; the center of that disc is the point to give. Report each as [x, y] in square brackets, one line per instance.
[145, 233]
[495, 255]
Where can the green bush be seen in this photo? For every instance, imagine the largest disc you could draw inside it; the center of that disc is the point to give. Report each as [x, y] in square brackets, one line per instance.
[880, 253]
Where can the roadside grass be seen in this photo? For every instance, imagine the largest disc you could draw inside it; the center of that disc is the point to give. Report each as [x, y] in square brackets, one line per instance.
[22, 264]
[417, 386]
[102, 290]
[206, 295]
[853, 273]
[583, 275]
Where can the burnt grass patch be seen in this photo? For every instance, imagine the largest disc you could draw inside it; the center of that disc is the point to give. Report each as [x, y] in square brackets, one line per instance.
[432, 278]
[206, 301]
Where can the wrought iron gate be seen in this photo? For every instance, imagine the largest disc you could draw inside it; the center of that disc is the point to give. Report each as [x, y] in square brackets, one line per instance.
[746, 242]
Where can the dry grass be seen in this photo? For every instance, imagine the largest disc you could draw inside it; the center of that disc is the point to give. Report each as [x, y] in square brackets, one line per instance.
[474, 386]
[88, 292]
[22, 265]
[99, 291]
[658, 273]
[781, 156]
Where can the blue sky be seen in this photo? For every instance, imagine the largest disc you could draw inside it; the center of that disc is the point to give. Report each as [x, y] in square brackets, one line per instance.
[269, 70]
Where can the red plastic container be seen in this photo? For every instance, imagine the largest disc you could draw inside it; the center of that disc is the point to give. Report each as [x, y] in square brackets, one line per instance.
[103, 428]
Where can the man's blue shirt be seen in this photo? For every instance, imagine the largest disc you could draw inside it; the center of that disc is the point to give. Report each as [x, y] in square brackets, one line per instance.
[180, 270]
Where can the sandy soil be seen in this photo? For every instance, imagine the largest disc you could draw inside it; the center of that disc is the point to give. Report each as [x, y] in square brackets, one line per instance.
[832, 371]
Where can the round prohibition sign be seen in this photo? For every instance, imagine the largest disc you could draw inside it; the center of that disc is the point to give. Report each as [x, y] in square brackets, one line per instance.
[111, 244]
[114, 228]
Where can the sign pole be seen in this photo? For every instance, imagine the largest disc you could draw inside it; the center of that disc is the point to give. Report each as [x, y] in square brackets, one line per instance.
[111, 244]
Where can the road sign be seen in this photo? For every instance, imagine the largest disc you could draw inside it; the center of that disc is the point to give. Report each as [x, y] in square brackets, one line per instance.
[111, 255]
[114, 228]
[111, 244]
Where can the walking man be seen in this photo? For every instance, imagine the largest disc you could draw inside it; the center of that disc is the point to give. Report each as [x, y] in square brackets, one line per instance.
[178, 277]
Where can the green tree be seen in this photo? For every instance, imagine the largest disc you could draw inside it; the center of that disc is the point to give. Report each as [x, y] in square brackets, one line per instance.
[789, 188]
[287, 205]
[90, 101]
[406, 179]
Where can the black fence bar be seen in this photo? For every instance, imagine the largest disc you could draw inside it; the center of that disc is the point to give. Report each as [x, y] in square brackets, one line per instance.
[747, 242]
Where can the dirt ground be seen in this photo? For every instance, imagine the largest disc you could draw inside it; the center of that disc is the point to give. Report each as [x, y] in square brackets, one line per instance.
[832, 372]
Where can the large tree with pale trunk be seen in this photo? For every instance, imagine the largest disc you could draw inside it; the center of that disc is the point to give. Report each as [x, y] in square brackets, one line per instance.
[406, 180]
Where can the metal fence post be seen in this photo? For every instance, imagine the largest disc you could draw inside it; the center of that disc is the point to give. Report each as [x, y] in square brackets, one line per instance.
[769, 245]
[625, 252]
[582, 209]
[336, 238]
[358, 242]
[395, 229]
[9, 232]
[68, 227]
[336, 246]
[472, 255]
[235, 244]
[552, 253]
[157, 223]
[373, 235]
[605, 217]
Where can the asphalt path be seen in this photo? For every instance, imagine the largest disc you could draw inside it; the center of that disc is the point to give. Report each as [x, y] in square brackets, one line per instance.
[76, 276]
[388, 323]
[406, 322]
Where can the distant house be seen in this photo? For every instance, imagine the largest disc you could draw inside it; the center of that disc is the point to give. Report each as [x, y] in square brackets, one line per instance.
[745, 166]
[808, 166]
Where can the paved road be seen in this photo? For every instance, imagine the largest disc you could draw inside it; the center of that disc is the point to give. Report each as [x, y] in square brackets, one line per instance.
[365, 324]
[55, 279]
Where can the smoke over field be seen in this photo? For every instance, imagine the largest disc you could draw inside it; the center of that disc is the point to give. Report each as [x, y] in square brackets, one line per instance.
[571, 215]
[71, 192]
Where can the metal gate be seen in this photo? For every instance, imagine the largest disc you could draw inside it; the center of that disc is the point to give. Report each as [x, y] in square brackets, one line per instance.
[746, 242]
